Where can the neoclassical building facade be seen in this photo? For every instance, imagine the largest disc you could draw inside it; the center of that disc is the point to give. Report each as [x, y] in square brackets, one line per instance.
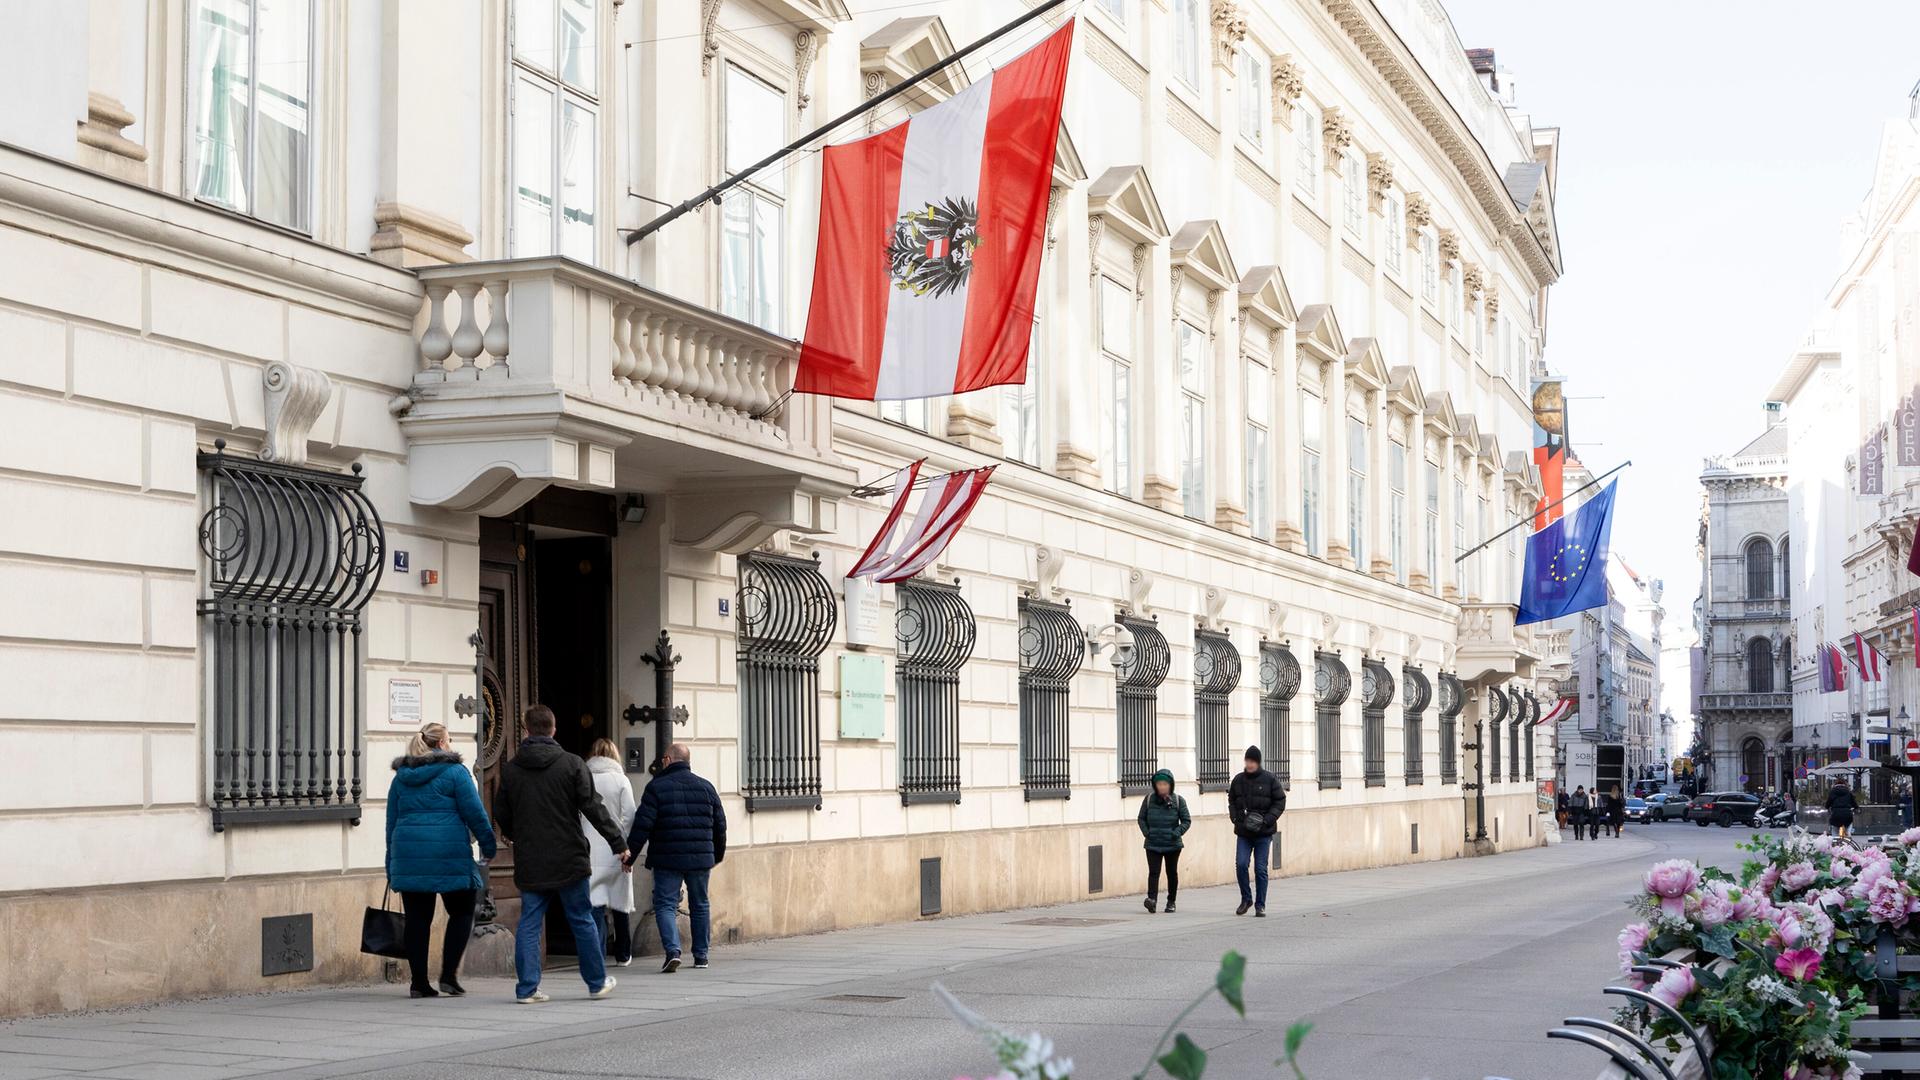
[338, 400]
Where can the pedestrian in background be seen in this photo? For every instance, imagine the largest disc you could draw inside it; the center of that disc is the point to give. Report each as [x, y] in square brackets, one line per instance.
[1577, 811]
[433, 808]
[544, 791]
[1840, 807]
[1255, 801]
[680, 816]
[1560, 802]
[611, 885]
[1617, 811]
[1163, 821]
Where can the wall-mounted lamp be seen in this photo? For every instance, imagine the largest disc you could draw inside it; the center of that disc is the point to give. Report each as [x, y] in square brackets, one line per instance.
[633, 510]
[1112, 634]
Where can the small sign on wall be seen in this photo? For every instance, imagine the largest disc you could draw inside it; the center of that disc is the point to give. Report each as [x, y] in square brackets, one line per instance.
[405, 702]
[863, 613]
[863, 696]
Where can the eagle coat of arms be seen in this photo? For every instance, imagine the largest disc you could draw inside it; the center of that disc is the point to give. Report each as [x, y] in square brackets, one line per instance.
[931, 250]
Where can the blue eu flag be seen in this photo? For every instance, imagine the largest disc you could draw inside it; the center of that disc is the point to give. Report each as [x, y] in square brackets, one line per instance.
[1567, 563]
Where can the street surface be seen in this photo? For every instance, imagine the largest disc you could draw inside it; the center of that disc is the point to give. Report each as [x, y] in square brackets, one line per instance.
[1440, 970]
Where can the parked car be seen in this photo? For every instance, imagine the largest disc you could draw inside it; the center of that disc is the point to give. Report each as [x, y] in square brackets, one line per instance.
[1723, 808]
[1662, 805]
[1636, 809]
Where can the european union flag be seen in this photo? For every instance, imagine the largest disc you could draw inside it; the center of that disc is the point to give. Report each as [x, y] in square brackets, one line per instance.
[1567, 563]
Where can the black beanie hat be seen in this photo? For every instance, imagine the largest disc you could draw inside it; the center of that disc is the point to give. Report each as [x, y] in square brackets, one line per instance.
[1253, 754]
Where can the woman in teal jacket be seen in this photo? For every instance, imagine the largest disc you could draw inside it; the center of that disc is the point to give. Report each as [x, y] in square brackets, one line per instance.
[432, 807]
[1163, 821]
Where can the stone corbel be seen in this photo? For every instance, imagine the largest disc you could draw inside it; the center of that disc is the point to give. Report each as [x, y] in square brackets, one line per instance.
[295, 397]
[1277, 620]
[1473, 280]
[1449, 247]
[1054, 195]
[1213, 603]
[872, 85]
[1096, 224]
[1419, 216]
[1229, 30]
[973, 426]
[709, 44]
[1139, 592]
[1379, 181]
[1047, 564]
[806, 47]
[1288, 84]
[1336, 132]
[406, 236]
[1140, 252]
[1493, 302]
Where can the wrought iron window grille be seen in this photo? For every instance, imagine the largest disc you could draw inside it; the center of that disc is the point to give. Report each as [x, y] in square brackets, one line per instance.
[1052, 647]
[1376, 693]
[1332, 684]
[1497, 709]
[934, 632]
[293, 555]
[1452, 698]
[1413, 712]
[1216, 672]
[786, 615]
[1518, 710]
[1279, 682]
[1138, 674]
[1533, 720]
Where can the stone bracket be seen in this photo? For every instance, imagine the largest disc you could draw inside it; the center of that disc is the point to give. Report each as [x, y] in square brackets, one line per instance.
[295, 397]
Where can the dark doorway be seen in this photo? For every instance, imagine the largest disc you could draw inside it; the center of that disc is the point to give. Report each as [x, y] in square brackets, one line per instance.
[573, 585]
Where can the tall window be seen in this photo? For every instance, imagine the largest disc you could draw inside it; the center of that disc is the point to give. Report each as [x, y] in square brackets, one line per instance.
[1759, 569]
[1115, 8]
[1459, 535]
[1193, 420]
[1433, 524]
[1306, 149]
[1188, 41]
[1786, 570]
[1051, 648]
[1137, 680]
[784, 614]
[1451, 699]
[1252, 93]
[556, 60]
[1429, 267]
[1419, 692]
[752, 216]
[1116, 377]
[1376, 693]
[1259, 449]
[934, 630]
[1216, 671]
[1353, 176]
[1760, 666]
[1397, 511]
[1396, 231]
[1331, 685]
[913, 413]
[1020, 410]
[1279, 681]
[1479, 320]
[1485, 557]
[1357, 491]
[1312, 419]
[251, 89]
[1456, 297]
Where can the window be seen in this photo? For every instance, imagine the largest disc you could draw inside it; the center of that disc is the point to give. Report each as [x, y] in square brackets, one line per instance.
[1376, 693]
[1051, 648]
[1331, 685]
[1459, 534]
[1116, 376]
[1419, 692]
[1020, 410]
[784, 615]
[1450, 701]
[1253, 92]
[1456, 297]
[1188, 40]
[914, 413]
[1397, 511]
[1433, 524]
[1753, 761]
[554, 126]
[1490, 748]
[934, 631]
[1279, 681]
[1786, 570]
[1312, 418]
[1429, 267]
[1479, 327]
[1481, 560]
[1396, 232]
[1137, 690]
[1353, 176]
[1357, 491]
[1759, 569]
[1759, 666]
[1216, 671]
[251, 89]
[1115, 8]
[1259, 449]
[1193, 420]
[1511, 571]
[753, 216]
[282, 643]
[1306, 149]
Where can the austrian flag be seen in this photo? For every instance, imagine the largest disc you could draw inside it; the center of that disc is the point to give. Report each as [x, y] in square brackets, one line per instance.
[930, 239]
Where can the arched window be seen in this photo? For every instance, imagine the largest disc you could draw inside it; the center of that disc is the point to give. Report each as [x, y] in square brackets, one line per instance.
[1786, 569]
[1760, 665]
[1753, 762]
[1759, 569]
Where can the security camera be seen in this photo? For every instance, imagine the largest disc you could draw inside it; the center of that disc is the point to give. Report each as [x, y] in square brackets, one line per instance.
[1113, 635]
[1123, 647]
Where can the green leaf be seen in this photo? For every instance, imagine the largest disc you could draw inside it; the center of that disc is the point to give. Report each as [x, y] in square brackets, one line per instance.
[1186, 1061]
[1230, 980]
[1718, 941]
[1296, 1035]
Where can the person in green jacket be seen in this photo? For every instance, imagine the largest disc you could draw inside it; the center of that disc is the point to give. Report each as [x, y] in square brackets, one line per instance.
[1163, 821]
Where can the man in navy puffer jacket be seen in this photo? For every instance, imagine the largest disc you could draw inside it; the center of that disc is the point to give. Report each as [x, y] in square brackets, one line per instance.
[683, 829]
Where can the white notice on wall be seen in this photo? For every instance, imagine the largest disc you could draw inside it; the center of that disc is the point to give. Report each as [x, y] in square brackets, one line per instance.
[404, 702]
[863, 612]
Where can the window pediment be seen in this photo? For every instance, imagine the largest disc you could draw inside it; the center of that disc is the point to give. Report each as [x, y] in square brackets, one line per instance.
[1440, 415]
[1403, 391]
[1317, 335]
[1466, 434]
[1265, 299]
[819, 15]
[1199, 250]
[1364, 365]
[1067, 167]
[1124, 198]
[905, 47]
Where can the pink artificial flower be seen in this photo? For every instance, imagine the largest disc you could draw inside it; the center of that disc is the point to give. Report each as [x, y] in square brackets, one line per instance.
[1838, 870]
[1889, 902]
[1910, 837]
[1674, 986]
[1633, 939]
[1798, 876]
[1710, 909]
[1798, 964]
[1786, 930]
[1768, 880]
[1671, 881]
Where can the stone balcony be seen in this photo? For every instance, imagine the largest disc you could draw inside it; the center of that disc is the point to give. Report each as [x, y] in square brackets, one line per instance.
[1777, 702]
[538, 372]
[1492, 647]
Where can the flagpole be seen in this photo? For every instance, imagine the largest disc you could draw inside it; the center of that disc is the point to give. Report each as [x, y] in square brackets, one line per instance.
[713, 193]
[1541, 510]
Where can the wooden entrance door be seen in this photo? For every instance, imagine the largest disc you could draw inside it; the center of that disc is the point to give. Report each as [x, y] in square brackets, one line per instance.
[506, 625]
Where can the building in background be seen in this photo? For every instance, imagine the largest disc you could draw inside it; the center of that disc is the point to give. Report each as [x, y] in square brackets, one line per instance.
[336, 402]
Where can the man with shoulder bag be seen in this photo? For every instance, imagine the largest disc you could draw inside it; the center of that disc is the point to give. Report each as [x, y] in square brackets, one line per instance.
[1255, 801]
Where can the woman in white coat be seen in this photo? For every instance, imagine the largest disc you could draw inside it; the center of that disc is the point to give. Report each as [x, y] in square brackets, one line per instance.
[612, 885]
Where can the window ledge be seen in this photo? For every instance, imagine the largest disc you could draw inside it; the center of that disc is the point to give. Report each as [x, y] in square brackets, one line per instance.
[1035, 793]
[783, 802]
[1208, 787]
[281, 815]
[922, 798]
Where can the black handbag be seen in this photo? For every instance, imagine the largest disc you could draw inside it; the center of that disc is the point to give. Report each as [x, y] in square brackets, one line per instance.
[383, 932]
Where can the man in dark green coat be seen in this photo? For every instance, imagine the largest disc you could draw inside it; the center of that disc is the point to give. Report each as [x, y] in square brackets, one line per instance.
[1163, 821]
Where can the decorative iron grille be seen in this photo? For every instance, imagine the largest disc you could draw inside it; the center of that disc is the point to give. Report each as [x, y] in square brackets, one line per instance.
[293, 555]
[1279, 681]
[1376, 693]
[1413, 723]
[1496, 715]
[1533, 720]
[1137, 692]
[1331, 685]
[1451, 699]
[1216, 671]
[934, 630]
[786, 614]
[1518, 710]
[1052, 645]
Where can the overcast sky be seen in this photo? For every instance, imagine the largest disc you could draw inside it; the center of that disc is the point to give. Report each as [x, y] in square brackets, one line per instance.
[1709, 152]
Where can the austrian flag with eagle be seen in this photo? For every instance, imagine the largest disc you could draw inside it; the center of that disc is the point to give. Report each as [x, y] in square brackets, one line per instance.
[930, 240]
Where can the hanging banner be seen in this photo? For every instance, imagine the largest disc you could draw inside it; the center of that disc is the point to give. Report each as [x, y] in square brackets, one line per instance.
[1906, 350]
[1549, 447]
[1873, 464]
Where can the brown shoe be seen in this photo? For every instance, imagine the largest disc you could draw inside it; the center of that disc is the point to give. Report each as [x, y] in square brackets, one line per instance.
[1242, 909]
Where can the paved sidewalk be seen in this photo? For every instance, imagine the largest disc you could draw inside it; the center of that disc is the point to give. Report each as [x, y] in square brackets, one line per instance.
[354, 1031]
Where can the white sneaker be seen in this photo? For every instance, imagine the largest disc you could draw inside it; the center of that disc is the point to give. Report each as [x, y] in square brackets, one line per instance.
[534, 998]
[606, 988]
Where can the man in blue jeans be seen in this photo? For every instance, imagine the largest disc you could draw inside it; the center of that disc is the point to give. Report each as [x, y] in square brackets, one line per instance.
[1255, 801]
[681, 817]
[543, 795]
